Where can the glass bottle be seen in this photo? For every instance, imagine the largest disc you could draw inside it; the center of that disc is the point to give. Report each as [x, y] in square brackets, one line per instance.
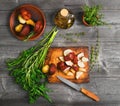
[64, 18]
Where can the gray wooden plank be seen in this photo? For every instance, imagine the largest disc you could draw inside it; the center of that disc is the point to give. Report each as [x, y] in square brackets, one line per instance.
[108, 43]
[76, 2]
[104, 81]
[4, 19]
[106, 4]
[44, 4]
[110, 16]
[1, 88]
[106, 88]
[8, 4]
[44, 103]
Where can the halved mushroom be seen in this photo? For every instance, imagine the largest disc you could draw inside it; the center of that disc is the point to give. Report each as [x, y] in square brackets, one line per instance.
[80, 55]
[81, 64]
[66, 70]
[67, 51]
[82, 69]
[69, 63]
[69, 56]
[21, 20]
[75, 67]
[61, 65]
[70, 74]
[78, 74]
[61, 58]
[75, 60]
[84, 59]
[72, 70]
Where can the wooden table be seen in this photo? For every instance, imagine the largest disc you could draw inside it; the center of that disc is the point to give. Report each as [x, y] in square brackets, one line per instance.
[104, 81]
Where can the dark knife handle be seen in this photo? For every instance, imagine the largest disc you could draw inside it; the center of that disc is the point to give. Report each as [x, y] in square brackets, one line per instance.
[90, 94]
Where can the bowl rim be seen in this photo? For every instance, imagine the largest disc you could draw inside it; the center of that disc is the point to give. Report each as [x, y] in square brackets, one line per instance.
[23, 6]
[84, 22]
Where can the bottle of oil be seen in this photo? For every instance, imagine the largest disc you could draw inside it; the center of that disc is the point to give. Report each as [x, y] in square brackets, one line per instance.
[64, 18]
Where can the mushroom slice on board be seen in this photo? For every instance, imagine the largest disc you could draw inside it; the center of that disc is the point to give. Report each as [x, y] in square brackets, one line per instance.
[84, 59]
[69, 63]
[67, 51]
[81, 64]
[80, 55]
[61, 58]
[78, 74]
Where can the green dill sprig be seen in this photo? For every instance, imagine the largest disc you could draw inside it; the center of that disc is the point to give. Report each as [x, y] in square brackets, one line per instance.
[26, 68]
[94, 52]
[73, 37]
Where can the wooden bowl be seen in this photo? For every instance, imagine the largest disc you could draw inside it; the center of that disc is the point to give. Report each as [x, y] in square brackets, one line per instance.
[36, 14]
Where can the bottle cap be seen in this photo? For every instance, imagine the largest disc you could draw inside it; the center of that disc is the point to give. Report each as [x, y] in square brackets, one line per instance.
[64, 12]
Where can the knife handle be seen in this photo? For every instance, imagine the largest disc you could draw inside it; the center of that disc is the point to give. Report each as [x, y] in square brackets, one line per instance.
[90, 94]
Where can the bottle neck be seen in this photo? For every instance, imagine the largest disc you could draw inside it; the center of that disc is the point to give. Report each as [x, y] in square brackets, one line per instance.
[64, 12]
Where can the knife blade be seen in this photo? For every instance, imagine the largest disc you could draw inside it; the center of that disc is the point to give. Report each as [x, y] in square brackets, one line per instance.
[76, 87]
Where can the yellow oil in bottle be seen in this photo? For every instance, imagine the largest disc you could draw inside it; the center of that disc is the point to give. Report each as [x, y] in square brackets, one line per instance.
[64, 18]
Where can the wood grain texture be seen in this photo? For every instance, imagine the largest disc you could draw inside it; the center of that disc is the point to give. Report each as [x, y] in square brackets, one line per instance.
[104, 81]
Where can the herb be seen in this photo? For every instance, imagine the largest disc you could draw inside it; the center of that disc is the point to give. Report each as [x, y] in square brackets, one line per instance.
[29, 36]
[94, 52]
[92, 15]
[26, 68]
[73, 37]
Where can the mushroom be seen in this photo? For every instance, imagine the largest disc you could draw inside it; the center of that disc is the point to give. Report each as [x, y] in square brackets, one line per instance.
[80, 55]
[78, 74]
[81, 64]
[61, 58]
[69, 63]
[84, 59]
[67, 51]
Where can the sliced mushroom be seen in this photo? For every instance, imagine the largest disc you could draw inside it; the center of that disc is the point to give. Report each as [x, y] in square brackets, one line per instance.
[80, 55]
[67, 51]
[84, 59]
[81, 64]
[61, 58]
[70, 74]
[75, 67]
[66, 70]
[82, 69]
[78, 74]
[61, 65]
[69, 63]
[72, 70]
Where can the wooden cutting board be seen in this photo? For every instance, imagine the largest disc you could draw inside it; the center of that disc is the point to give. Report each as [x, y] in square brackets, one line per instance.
[53, 57]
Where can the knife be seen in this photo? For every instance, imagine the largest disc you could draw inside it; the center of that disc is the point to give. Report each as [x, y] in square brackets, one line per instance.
[76, 87]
